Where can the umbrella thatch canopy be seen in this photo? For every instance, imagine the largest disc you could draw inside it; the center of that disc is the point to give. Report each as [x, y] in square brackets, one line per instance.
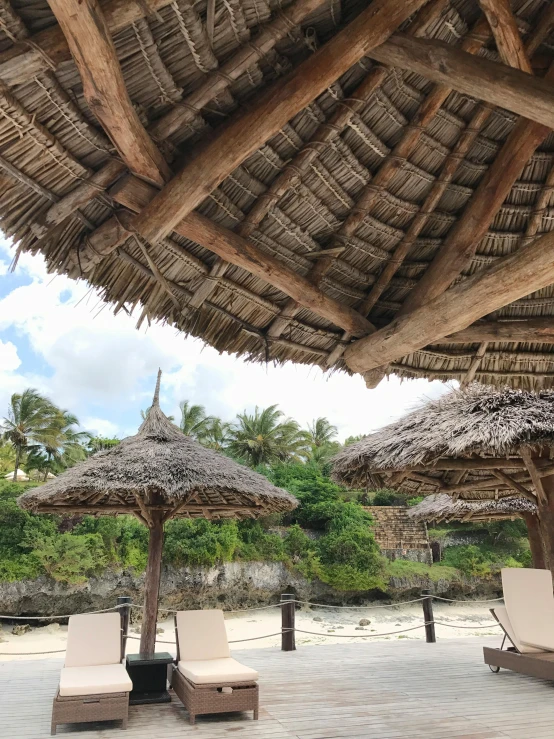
[475, 444]
[281, 178]
[156, 475]
[470, 434]
[442, 508]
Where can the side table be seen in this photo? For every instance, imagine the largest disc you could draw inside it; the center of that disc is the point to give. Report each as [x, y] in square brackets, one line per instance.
[148, 673]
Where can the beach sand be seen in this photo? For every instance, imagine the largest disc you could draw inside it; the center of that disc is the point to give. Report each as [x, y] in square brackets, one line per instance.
[331, 626]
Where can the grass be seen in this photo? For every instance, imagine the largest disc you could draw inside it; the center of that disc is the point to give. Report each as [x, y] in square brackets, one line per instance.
[404, 568]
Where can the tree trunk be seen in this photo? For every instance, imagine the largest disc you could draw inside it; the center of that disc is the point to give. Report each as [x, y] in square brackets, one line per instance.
[535, 541]
[17, 461]
[152, 585]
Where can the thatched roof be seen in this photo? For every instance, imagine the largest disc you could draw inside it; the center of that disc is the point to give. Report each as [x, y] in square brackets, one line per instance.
[179, 62]
[475, 426]
[439, 508]
[162, 467]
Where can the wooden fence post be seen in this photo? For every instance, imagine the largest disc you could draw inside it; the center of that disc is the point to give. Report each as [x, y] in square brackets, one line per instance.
[428, 617]
[288, 640]
[125, 614]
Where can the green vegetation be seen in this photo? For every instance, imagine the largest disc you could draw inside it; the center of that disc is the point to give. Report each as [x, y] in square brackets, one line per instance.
[329, 537]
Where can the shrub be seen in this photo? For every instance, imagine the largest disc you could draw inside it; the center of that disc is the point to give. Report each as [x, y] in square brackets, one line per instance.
[199, 542]
[72, 558]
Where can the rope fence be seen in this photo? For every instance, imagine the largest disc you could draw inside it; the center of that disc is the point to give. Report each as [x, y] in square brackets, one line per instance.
[288, 629]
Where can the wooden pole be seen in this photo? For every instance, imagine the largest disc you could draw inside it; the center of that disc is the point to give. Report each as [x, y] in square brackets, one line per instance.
[546, 516]
[152, 584]
[288, 637]
[125, 613]
[508, 279]
[428, 616]
[210, 163]
[535, 540]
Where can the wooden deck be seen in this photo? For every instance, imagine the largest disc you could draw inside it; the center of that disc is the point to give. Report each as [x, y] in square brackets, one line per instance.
[382, 690]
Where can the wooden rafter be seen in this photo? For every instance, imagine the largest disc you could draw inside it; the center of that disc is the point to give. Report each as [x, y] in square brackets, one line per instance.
[328, 131]
[465, 465]
[93, 50]
[493, 82]
[48, 48]
[510, 278]
[216, 159]
[535, 474]
[531, 330]
[488, 483]
[242, 60]
[474, 365]
[517, 486]
[506, 34]
[134, 194]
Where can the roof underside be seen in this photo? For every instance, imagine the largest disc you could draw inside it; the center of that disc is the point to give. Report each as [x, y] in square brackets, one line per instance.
[52, 143]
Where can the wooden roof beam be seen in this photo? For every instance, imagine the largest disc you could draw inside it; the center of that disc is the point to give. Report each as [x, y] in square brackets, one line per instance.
[93, 50]
[508, 279]
[487, 80]
[506, 34]
[135, 194]
[516, 485]
[212, 162]
[531, 330]
[48, 48]
[464, 464]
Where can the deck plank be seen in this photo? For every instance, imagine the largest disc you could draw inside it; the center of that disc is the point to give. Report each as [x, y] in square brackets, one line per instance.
[382, 690]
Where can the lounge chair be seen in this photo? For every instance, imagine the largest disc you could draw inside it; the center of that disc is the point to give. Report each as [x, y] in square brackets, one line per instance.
[528, 624]
[206, 678]
[94, 684]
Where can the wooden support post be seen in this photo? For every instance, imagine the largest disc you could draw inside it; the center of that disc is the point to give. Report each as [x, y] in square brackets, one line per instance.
[535, 540]
[428, 616]
[288, 637]
[546, 516]
[508, 279]
[123, 602]
[152, 584]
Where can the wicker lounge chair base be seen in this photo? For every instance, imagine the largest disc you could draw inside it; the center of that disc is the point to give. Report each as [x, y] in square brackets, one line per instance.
[535, 665]
[84, 708]
[201, 699]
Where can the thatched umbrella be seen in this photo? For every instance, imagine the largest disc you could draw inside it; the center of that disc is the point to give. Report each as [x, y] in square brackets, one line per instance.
[443, 508]
[156, 475]
[480, 443]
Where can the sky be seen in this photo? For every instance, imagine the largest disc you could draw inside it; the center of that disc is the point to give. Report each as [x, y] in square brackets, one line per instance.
[57, 336]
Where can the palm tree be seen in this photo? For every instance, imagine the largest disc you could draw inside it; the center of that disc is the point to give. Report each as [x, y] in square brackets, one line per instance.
[194, 421]
[69, 445]
[31, 422]
[98, 443]
[7, 457]
[217, 435]
[321, 432]
[262, 438]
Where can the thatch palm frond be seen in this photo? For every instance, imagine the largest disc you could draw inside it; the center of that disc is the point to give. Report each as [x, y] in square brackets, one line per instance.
[262, 438]
[321, 431]
[194, 420]
[32, 421]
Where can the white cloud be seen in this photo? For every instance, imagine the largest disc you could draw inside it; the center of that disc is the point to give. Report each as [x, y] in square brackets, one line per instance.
[9, 359]
[97, 363]
[100, 427]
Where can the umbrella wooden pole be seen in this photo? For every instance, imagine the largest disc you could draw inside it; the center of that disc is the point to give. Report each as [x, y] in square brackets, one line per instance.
[535, 541]
[152, 584]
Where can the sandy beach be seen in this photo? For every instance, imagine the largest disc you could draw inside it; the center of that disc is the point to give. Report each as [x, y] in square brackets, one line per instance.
[328, 626]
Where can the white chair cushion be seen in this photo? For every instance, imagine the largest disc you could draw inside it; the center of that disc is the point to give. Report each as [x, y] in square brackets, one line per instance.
[219, 671]
[502, 615]
[94, 680]
[530, 605]
[93, 639]
[202, 635]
